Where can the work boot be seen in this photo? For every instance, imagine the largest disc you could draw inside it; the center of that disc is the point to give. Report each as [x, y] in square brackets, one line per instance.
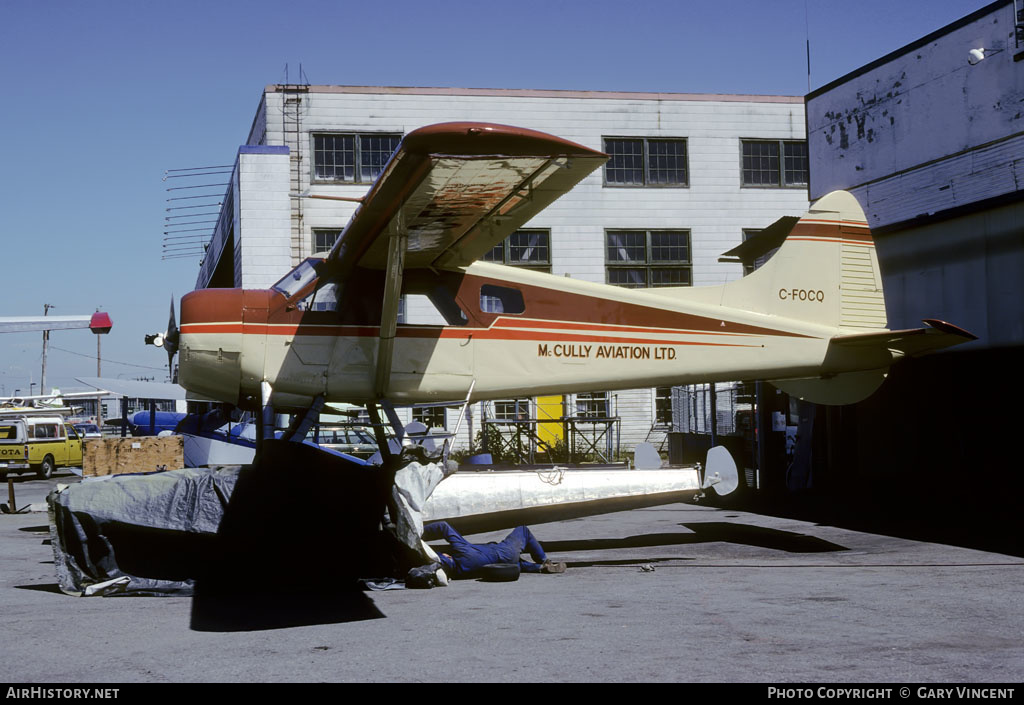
[552, 567]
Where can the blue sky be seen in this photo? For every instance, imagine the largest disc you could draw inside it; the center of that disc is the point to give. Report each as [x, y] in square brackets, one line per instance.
[99, 99]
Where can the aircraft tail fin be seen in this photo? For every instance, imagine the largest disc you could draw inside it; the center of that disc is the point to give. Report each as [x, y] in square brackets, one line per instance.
[825, 271]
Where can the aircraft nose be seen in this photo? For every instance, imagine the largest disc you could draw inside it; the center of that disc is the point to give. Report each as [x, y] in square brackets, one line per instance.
[211, 343]
[206, 309]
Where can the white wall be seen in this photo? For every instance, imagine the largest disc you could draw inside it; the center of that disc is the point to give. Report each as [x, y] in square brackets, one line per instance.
[264, 214]
[714, 206]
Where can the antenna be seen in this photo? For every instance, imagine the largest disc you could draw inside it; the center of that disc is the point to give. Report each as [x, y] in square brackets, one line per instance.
[181, 241]
[807, 34]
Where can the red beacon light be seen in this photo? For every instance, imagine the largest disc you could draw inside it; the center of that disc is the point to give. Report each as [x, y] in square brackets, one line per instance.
[100, 323]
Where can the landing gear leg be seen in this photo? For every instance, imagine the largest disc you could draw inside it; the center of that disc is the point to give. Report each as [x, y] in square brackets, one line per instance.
[390, 461]
[264, 419]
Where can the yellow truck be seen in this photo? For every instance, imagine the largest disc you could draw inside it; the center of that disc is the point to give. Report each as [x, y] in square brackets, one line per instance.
[52, 443]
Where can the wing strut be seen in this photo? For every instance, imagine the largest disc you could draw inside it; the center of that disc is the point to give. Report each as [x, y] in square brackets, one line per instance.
[398, 242]
[458, 424]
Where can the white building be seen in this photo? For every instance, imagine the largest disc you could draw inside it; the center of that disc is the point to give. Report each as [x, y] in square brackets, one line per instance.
[689, 175]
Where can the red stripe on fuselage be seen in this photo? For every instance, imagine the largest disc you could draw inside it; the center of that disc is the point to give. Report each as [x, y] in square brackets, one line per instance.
[437, 332]
[611, 328]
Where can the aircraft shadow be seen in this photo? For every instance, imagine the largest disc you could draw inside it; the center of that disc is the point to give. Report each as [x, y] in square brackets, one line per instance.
[299, 529]
[249, 611]
[635, 562]
[706, 532]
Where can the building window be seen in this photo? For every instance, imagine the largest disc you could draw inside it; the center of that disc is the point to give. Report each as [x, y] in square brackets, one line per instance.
[512, 409]
[429, 416]
[638, 259]
[663, 406]
[774, 163]
[352, 158]
[324, 239]
[524, 248]
[645, 161]
[592, 405]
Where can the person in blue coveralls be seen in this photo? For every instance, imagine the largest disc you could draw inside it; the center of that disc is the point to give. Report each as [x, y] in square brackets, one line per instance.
[467, 558]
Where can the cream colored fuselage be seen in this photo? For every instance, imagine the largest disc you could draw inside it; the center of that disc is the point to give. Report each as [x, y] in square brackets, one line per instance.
[515, 355]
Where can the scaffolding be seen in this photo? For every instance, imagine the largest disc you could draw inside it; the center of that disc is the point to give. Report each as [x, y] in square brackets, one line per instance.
[516, 437]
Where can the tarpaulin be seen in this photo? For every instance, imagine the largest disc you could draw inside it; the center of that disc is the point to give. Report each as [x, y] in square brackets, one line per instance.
[296, 512]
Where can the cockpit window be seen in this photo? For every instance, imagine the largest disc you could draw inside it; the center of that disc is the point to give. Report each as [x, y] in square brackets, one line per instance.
[297, 279]
[447, 306]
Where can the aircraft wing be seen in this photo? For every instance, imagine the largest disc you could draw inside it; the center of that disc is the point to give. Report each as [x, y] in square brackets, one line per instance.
[457, 190]
[449, 194]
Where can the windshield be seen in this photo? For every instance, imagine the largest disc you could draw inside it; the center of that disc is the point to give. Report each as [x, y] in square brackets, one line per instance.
[297, 279]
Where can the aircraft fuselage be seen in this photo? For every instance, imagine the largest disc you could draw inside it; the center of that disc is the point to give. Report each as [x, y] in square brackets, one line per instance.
[543, 334]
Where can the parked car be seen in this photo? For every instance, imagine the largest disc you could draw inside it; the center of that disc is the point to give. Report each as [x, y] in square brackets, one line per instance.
[348, 439]
[88, 430]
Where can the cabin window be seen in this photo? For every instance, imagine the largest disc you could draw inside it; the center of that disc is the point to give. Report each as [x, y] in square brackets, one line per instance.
[352, 158]
[646, 161]
[774, 163]
[639, 259]
[501, 299]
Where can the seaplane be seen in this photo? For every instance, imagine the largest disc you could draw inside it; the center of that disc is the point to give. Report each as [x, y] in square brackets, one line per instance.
[811, 320]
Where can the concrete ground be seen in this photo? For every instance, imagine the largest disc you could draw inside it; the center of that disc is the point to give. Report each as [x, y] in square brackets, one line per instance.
[676, 593]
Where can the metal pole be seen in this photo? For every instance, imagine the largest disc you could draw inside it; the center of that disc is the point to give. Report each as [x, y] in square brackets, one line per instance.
[46, 339]
[99, 399]
[714, 414]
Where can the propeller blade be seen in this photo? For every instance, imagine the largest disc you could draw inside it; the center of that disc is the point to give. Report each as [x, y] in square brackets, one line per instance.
[171, 340]
[173, 334]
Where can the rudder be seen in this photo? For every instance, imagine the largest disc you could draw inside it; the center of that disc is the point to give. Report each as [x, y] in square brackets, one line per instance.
[825, 272]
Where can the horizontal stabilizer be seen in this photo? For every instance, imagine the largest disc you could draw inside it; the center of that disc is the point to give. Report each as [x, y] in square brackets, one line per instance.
[910, 342]
[873, 352]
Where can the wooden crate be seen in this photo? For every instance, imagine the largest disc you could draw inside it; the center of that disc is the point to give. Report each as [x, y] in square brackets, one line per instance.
[116, 456]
